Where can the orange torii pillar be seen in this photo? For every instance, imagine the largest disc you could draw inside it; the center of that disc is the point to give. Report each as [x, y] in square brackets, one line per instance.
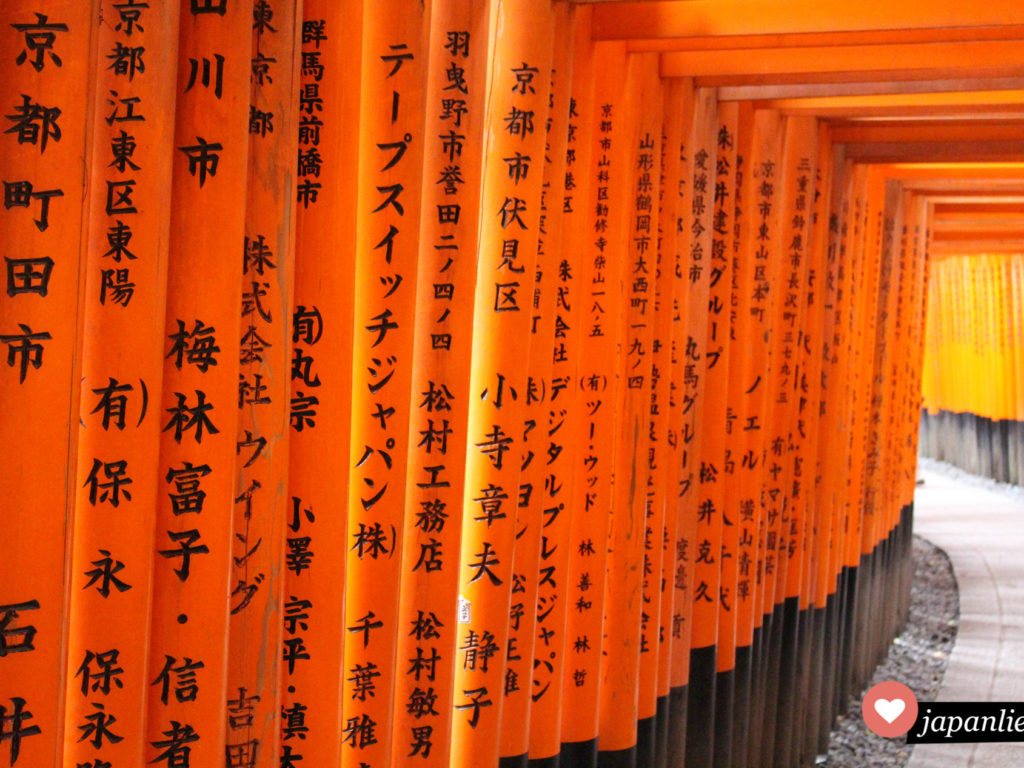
[704, 598]
[865, 434]
[747, 388]
[110, 673]
[446, 270]
[47, 95]
[558, 321]
[192, 593]
[797, 181]
[666, 408]
[859, 289]
[688, 338]
[834, 463]
[677, 115]
[596, 389]
[716, 544]
[812, 546]
[507, 245]
[321, 320]
[267, 636]
[820, 376]
[765, 246]
[625, 632]
[391, 118]
[533, 642]
[835, 299]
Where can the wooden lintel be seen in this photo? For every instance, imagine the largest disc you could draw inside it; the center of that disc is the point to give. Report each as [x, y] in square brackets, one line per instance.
[864, 88]
[829, 38]
[716, 18]
[980, 104]
[921, 61]
[951, 151]
[981, 207]
[943, 248]
[944, 131]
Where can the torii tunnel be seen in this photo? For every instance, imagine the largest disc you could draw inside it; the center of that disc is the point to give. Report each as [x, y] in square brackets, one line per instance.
[486, 383]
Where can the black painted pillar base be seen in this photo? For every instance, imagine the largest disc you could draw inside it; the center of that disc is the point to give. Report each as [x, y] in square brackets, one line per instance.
[618, 758]
[646, 736]
[741, 706]
[772, 662]
[788, 706]
[661, 733]
[817, 703]
[545, 762]
[677, 705]
[700, 734]
[830, 657]
[578, 754]
[755, 731]
[725, 715]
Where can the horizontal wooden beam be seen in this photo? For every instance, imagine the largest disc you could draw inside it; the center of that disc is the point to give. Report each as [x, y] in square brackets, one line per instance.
[716, 18]
[849, 63]
[830, 38]
[957, 178]
[865, 88]
[932, 131]
[945, 249]
[976, 222]
[928, 151]
[983, 104]
[959, 236]
[981, 200]
[953, 186]
[981, 207]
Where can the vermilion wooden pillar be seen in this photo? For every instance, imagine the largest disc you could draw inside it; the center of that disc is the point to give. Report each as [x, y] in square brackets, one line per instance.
[320, 330]
[198, 408]
[704, 629]
[507, 247]
[43, 234]
[122, 371]
[446, 275]
[267, 635]
[391, 117]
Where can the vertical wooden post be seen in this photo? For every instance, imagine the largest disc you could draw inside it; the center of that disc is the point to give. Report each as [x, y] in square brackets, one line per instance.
[533, 645]
[427, 627]
[267, 635]
[44, 150]
[672, 298]
[595, 388]
[117, 466]
[392, 100]
[748, 371]
[198, 407]
[507, 246]
[704, 629]
[629, 624]
[321, 330]
[797, 180]
[719, 540]
[600, 389]
[759, 414]
[559, 416]
[687, 336]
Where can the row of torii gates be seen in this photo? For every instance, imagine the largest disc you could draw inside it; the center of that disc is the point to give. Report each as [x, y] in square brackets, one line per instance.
[465, 383]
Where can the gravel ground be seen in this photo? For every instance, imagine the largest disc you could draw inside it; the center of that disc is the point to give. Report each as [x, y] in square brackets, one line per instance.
[917, 658]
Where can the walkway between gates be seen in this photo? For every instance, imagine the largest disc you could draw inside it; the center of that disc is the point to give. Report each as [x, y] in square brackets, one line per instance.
[982, 531]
